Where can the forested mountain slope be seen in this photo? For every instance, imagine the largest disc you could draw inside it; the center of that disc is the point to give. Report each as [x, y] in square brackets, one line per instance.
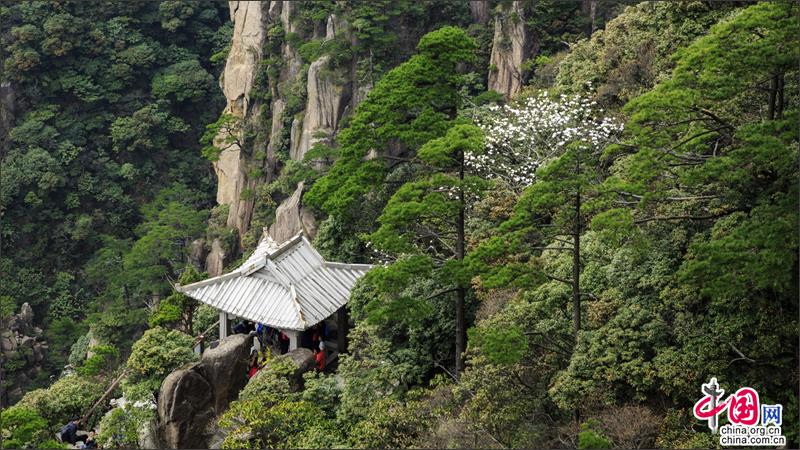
[580, 211]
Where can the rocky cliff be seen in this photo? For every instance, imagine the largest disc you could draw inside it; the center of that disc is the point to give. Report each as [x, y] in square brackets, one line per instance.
[511, 46]
[328, 95]
[289, 104]
[22, 351]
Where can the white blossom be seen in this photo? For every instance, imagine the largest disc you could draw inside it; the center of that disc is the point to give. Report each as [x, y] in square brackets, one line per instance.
[520, 137]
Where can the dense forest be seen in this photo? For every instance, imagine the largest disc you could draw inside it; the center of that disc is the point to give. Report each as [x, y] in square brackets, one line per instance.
[578, 212]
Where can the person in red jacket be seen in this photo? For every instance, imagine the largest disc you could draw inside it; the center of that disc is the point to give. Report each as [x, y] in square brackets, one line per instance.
[320, 356]
[253, 365]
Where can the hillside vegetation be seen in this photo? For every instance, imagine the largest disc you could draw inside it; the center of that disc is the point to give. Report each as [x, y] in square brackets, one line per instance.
[560, 264]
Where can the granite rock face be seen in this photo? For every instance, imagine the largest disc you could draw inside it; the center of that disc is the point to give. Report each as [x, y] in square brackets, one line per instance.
[511, 46]
[302, 103]
[22, 351]
[236, 82]
[216, 259]
[193, 396]
[291, 218]
[329, 93]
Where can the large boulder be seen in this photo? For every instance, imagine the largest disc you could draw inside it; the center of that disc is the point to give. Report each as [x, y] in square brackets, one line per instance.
[225, 368]
[198, 253]
[184, 407]
[216, 259]
[194, 395]
[303, 359]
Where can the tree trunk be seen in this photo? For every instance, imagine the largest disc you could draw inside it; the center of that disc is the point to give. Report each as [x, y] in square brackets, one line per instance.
[461, 320]
[190, 320]
[576, 267]
[773, 95]
[461, 332]
[779, 106]
[342, 324]
[593, 15]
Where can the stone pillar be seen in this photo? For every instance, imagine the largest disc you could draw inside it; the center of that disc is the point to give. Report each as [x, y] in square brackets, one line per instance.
[294, 339]
[224, 325]
[341, 329]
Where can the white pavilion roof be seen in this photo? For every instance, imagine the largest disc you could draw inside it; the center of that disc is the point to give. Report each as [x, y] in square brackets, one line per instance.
[288, 286]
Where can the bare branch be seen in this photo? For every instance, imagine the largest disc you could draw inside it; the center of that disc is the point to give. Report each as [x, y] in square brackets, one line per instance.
[558, 249]
[565, 281]
[684, 217]
[436, 294]
[741, 357]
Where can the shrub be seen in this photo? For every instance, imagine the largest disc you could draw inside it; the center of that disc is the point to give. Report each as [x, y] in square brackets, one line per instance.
[79, 349]
[589, 437]
[69, 397]
[391, 423]
[168, 312]
[159, 352]
[277, 426]
[103, 361]
[7, 306]
[269, 411]
[120, 427]
[141, 391]
[203, 318]
[23, 427]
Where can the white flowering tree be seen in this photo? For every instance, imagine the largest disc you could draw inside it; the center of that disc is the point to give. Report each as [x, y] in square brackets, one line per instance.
[521, 137]
[550, 148]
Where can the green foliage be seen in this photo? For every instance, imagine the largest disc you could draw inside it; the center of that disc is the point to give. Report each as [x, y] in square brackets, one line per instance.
[269, 413]
[178, 309]
[79, 350]
[688, 255]
[588, 437]
[146, 130]
[183, 81]
[160, 251]
[427, 87]
[157, 353]
[104, 116]
[23, 428]
[167, 313]
[226, 132]
[277, 426]
[501, 346]
[390, 283]
[120, 427]
[69, 397]
[204, 317]
[432, 200]
[103, 360]
[61, 333]
[118, 324]
[390, 423]
[7, 306]
[633, 52]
